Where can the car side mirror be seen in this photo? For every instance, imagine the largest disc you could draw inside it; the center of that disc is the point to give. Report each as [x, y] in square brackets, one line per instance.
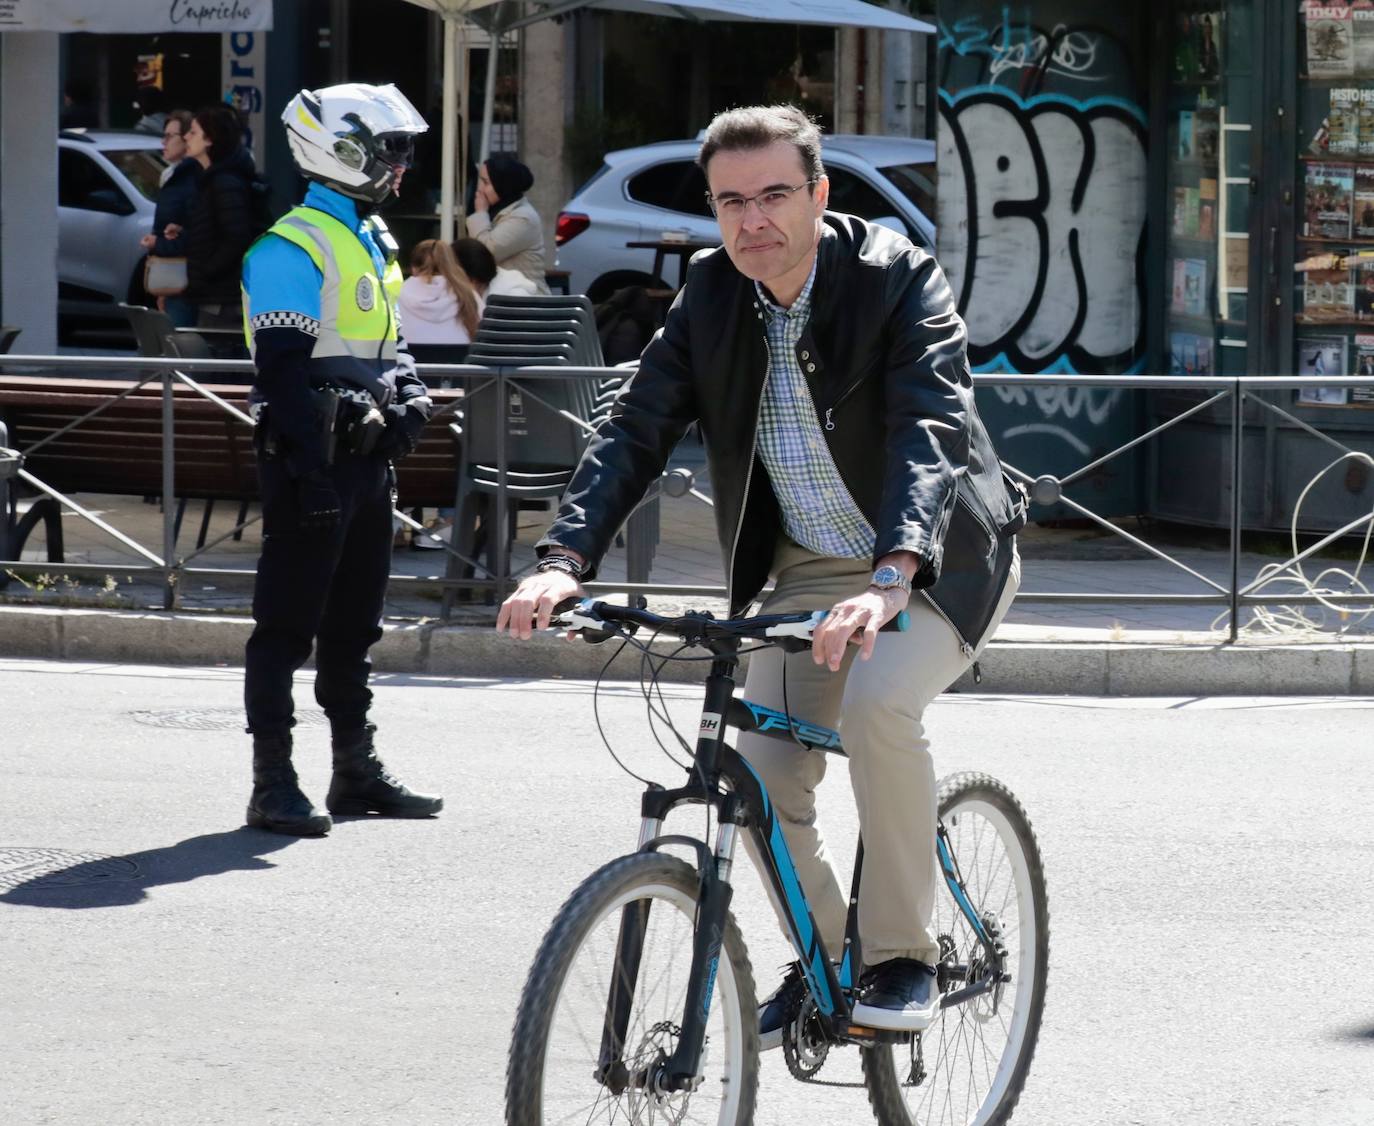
[107, 200]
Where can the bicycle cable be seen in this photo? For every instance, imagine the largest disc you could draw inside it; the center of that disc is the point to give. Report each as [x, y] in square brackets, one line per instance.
[596, 714]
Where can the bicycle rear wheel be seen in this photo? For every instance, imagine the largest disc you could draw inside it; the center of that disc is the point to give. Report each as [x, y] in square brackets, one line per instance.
[968, 1068]
[556, 1046]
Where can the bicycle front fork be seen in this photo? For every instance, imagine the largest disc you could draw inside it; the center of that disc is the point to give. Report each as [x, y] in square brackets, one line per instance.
[681, 1070]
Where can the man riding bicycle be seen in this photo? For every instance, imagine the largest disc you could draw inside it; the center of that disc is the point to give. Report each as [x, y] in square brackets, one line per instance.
[825, 361]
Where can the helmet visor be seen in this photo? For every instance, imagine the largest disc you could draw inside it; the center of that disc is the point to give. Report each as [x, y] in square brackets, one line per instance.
[396, 148]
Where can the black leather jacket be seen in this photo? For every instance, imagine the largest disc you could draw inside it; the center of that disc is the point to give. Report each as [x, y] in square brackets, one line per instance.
[884, 356]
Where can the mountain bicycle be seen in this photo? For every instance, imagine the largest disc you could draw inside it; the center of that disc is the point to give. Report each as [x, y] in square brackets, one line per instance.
[640, 1006]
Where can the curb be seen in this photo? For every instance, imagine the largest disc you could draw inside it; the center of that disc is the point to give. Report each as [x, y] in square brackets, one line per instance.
[1062, 667]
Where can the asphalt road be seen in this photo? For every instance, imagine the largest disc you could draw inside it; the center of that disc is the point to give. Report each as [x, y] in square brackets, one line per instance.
[1209, 865]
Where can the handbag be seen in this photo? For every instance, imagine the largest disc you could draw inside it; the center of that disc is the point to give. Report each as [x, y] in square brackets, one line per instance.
[164, 277]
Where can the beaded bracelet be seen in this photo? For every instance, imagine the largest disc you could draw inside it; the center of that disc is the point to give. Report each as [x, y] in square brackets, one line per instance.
[565, 563]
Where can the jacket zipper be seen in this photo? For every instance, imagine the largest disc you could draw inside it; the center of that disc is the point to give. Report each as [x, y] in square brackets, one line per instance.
[749, 474]
[964, 647]
[829, 422]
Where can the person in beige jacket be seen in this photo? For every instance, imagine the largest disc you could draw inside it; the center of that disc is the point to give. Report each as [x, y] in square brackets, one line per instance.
[504, 221]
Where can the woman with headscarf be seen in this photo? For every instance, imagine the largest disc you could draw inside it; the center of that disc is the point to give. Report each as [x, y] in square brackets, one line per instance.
[504, 221]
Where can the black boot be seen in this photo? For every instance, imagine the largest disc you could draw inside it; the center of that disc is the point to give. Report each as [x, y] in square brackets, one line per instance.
[277, 803]
[363, 785]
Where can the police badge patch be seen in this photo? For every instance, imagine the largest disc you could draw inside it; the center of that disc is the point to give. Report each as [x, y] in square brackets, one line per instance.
[365, 294]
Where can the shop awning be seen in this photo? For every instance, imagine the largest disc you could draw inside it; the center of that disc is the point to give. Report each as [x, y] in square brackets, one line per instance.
[830, 13]
[497, 17]
[136, 16]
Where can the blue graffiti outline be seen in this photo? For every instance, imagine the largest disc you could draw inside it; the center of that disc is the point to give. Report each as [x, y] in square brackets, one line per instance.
[1026, 104]
[1001, 365]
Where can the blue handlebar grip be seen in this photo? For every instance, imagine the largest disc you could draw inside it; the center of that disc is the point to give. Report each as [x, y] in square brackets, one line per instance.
[902, 622]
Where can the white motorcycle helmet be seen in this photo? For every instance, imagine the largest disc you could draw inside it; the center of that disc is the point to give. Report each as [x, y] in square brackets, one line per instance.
[352, 137]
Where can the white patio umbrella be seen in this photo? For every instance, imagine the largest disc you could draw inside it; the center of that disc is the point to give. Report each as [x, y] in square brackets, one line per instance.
[498, 17]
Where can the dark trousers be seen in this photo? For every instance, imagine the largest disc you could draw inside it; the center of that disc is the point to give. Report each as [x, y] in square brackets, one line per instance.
[317, 589]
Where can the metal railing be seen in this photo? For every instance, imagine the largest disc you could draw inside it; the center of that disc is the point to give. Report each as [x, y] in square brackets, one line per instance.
[1045, 489]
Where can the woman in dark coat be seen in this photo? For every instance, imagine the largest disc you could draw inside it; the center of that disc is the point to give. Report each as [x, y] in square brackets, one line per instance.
[220, 227]
[180, 180]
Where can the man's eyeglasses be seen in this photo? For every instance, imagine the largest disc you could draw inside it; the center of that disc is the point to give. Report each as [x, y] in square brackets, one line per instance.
[170, 136]
[770, 202]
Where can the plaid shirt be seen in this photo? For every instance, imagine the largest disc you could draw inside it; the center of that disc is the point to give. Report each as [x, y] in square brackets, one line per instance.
[817, 511]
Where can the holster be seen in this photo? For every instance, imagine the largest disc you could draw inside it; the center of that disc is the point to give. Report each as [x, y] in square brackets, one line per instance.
[270, 442]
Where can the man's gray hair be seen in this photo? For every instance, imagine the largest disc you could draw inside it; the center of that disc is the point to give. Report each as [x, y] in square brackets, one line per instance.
[757, 127]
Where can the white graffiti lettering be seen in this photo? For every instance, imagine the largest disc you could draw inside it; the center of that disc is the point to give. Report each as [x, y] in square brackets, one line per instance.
[1093, 403]
[1042, 214]
[1074, 54]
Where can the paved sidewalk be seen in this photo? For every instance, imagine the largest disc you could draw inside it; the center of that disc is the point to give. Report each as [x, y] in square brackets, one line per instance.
[1099, 646]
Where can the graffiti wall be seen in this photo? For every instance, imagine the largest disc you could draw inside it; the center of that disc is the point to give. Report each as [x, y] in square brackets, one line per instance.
[1043, 177]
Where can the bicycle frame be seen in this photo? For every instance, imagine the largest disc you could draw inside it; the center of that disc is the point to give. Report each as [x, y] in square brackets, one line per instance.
[722, 778]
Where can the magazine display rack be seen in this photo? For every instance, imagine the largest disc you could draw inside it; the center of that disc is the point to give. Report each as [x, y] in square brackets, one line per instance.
[1207, 258]
[1334, 267]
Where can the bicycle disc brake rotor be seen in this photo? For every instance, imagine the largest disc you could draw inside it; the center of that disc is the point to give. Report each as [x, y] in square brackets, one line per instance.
[647, 1105]
[804, 1047]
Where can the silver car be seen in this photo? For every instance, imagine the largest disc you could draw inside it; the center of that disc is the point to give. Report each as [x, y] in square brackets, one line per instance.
[657, 191]
[107, 184]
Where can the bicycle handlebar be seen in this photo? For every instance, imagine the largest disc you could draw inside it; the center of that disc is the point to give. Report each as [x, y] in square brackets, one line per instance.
[590, 618]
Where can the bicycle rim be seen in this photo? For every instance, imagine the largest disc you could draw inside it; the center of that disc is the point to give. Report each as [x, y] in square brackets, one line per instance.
[576, 967]
[976, 1055]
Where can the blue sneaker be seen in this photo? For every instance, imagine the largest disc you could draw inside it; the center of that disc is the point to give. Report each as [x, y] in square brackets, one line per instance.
[901, 995]
[781, 1009]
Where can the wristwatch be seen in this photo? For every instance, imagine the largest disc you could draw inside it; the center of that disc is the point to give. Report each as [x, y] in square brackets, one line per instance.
[890, 578]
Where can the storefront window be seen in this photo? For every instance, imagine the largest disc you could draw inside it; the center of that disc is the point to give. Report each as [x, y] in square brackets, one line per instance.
[1211, 90]
[1334, 282]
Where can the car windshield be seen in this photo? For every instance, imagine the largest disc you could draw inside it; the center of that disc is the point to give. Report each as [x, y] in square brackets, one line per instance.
[916, 182]
[142, 167]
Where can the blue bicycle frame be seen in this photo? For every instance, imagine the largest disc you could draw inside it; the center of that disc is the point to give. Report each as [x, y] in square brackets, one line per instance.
[723, 779]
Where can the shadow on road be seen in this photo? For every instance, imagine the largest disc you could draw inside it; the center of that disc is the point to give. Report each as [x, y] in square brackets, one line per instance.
[121, 881]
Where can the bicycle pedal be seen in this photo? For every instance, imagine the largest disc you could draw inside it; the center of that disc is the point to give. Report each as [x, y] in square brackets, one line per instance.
[868, 1035]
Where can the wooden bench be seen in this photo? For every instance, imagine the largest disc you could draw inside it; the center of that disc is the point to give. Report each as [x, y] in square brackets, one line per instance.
[120, 449]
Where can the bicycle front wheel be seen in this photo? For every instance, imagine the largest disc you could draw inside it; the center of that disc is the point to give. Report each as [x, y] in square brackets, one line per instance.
[557, 1067]
[968, 1068]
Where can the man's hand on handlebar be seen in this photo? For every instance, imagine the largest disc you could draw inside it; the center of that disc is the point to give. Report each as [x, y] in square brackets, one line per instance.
[855, 621]
[531, 606]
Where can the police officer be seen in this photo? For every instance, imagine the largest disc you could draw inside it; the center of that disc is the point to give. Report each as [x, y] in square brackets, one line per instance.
[337, 399]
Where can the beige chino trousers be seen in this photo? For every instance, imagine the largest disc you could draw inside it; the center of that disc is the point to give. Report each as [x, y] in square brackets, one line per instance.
[877, 706]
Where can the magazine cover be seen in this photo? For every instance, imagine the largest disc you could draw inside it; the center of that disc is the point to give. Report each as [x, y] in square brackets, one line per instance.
[1329, 192]
[1362, 281]
[1327, 295]
[1185, 135]
[1205, 133]
[1207, 220]
[1330, 33]
[1195, 287]
[1207, 34]
[1321, 355]
[1364, 365]
[1176, 300]
[1190, 354]
[1343, 121]
[1365, 142]
[1363, 217]
[1362, 35]
[1179, 227]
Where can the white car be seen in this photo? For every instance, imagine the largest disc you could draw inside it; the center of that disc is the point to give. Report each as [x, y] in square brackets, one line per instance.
[107, 184]
[645, 193]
